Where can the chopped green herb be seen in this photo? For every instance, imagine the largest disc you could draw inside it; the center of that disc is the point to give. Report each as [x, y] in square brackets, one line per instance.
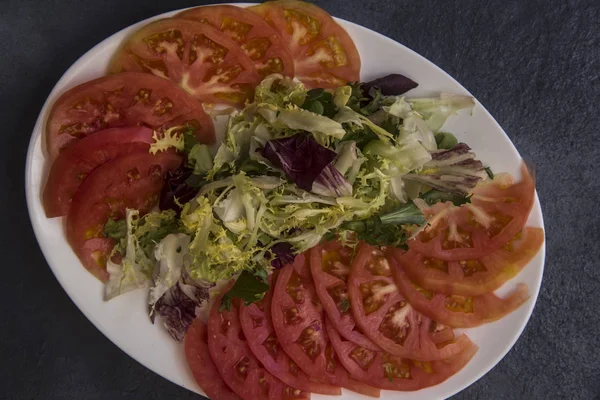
[116, 230]
[250, 287]
[386, 230]
[189, 139]
[362, 137]
[329, 236]
[436, 196]
[489, 172]
[445, 140]
[389, 371]
[344, 305]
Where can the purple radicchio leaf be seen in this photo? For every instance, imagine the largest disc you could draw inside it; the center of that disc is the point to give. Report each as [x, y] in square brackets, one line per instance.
[178, 305]
[331, 182]
[300, 157]
[390, 85]
[176, 187]
[454, 170]
[283, 254]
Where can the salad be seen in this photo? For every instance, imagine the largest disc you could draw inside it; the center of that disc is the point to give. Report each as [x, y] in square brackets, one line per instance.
[336, 233]
[295, 166]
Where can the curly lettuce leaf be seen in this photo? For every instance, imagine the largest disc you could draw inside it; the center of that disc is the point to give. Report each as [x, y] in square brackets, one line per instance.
[455, 170]
[435, 111]
[178, 306]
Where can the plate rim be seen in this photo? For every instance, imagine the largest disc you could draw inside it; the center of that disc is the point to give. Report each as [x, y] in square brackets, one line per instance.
[32, 196]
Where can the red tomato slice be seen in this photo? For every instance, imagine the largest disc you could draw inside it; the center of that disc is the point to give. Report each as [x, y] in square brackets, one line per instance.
[199, 58]
[497, 212]
[298, 320]
[262, 340]
[235, 362]
[386, 371]
[324, 54]
[458, 311]
[330, 268]
[472, 277]
[134, 181]
[202, 366]
[127, 99]
[257, 39]
[387, 317]
[76, 162]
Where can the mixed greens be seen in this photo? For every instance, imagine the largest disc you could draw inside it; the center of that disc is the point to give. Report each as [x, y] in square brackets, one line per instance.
[295, 167]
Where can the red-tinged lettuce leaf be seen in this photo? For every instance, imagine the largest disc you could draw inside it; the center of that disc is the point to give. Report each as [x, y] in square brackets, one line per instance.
[300, 157]
[176, 188]
[390, 85]
[283, 254]
[455, 170]
[178, 305]
[332, 183]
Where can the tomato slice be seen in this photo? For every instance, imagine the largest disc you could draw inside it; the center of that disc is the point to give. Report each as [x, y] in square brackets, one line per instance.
[324, 54]
[498, 211]
[235, 362]
[202, 366]
[127, 99]
[473, 277]
[201, 59]
[386, 371]
[458, 311]
[134, 181]
[330, 268]
[264, 344]
[76, 162]
[298, 320]
[257, 39]
[387, 317]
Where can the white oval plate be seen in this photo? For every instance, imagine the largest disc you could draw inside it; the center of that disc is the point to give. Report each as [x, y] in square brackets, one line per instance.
[124, 320]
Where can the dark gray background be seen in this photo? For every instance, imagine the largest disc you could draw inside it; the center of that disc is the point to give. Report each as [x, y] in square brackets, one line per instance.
[533, 64]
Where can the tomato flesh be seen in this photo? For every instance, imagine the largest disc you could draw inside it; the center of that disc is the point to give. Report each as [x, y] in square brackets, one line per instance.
[126, 99]
[497, 212]
[324, 54]
[298, 320]
[133, 181]
[386, 371]
[458, 311]
[235, 362]
[202, 366]
[257, 39]
[473, 277]
[75, 163]
[204, 61]
[264, 344]
[330, 268]
[386, 317]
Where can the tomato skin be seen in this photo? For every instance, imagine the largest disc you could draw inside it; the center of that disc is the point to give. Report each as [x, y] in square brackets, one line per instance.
[236, 363]
[126, 99]
[276, 58]
[324, 56]
[371, 368]
[472, 277]
[202, 366]
[416, 339]
[202, 60]
[134, 181]
[258, 329]
[485, 308]
[77, 161]
[343, 322]
[500, 204]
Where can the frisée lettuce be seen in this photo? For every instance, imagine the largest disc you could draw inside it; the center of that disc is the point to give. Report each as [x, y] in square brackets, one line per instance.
[294, 166]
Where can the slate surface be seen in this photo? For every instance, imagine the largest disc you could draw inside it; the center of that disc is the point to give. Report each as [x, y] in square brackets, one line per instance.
[533, 64]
